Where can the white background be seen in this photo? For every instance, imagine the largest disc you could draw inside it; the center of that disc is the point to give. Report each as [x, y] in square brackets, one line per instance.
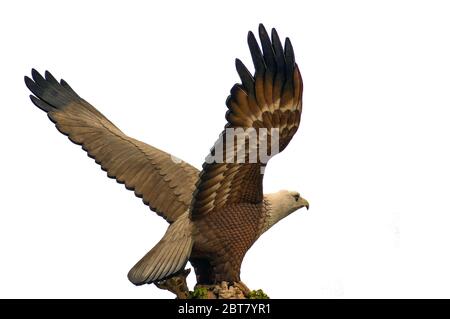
[372, 154]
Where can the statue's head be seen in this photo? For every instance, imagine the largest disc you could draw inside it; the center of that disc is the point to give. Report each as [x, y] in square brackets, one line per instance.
[282, 204]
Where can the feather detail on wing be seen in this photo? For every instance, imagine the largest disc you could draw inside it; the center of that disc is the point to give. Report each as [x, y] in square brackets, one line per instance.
[270, 100]
[165, 185]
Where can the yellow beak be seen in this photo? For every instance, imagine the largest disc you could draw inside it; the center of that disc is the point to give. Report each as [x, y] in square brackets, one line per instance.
[304, 203]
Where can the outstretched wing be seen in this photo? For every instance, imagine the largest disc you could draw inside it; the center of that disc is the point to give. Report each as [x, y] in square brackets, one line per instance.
[270, 99]
[164, 185]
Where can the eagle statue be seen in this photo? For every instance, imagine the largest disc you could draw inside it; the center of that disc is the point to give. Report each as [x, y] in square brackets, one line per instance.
[215, 214]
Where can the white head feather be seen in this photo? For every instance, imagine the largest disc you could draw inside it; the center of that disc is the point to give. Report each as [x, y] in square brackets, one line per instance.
[282, 204]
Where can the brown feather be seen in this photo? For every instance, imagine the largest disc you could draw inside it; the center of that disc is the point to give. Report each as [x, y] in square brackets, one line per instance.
[270, 99]
[128, 160]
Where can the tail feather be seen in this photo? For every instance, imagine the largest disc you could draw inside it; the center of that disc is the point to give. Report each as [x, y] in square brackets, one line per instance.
[168, 257]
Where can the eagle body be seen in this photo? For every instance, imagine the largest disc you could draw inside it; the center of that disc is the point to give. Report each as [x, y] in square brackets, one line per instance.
[215, 214]
[222, 239]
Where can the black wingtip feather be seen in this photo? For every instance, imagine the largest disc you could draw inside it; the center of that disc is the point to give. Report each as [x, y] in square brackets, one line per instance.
[68, 88]
[34, 72]
[261, 30]
[37, 77]
[41, 104]
[49, 91]
[276, 40]
[32, 86]
[246, 77]
[269, 55]
[49, 77]
[289, 52]
[28, 82]
[278, 49]
[256, 53]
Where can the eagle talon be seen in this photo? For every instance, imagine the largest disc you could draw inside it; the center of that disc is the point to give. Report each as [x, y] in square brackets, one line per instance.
[243, 287]
[176, 284]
